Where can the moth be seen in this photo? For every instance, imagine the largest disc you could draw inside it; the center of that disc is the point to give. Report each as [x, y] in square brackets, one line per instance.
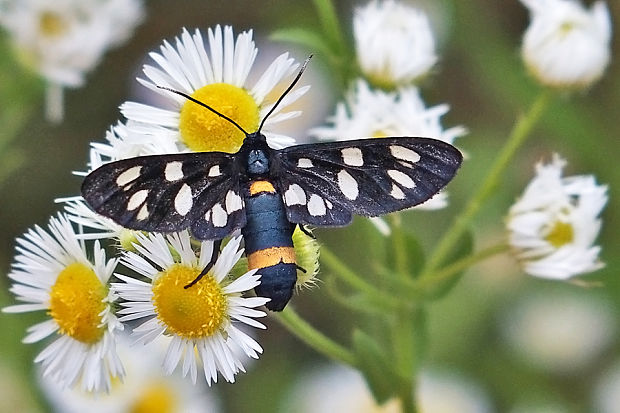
[266, 193]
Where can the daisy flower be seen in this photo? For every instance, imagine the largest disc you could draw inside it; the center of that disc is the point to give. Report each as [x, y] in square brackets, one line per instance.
[218, 78]
[566, 45]
[144, 389]
[394, 43]
[52, 273]
[62, 40]
[202, 320]
[375, 113]
[553, 226]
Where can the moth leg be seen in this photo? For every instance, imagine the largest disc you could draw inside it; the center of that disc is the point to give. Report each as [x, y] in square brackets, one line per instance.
[302, 269]
[306, 231]
[216, 251]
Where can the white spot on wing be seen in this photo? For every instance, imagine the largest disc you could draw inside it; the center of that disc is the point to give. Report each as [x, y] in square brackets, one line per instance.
[397, 192]
[348, 185]
[401, 178]
[352, 156]
[129, 175]
[316, 206]
[220, 217]
[404, 154]
[329, 204]
[143, 213]
[183, 201]
[174, 171]
[233, 202]
[208, 216]
[304, 163]
[295, 195]
[137, 199]
[214, 171]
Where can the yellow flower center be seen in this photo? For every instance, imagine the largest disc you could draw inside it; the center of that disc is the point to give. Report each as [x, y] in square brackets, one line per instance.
[561, 234]
[76, 302]
[198, 311]
[51, 24]
[380, 134]
[204, 131]
[155, 398]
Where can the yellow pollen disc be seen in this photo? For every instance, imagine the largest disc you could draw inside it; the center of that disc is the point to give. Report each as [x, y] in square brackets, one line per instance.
[204, 131]
[76, 300]
[155, 398]
[561, 234]
[51, 24]
[195, 312]
[380, 134]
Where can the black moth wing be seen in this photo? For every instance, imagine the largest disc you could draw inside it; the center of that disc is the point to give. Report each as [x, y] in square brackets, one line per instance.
[323, 184]
[168, 193]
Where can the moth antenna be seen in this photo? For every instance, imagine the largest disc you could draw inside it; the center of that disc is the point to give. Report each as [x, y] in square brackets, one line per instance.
[303, 67]
[188, 97]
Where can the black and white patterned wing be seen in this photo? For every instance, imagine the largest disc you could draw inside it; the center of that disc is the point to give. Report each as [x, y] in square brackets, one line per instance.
[168, 193]
[324, 184]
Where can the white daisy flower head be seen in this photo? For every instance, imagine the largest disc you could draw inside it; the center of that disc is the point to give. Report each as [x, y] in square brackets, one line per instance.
[203, 319]
[566, 45]
[394, 43]
[144, 389]
[376, 113]
[218, 78]
[52, 273]
[553, 226]
[62, 40]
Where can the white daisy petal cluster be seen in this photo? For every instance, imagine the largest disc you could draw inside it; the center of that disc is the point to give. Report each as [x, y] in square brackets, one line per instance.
[394, 42]
[52, 273]
[216, 74]
[203, 321]
[553, 226]
[566, 45]
[62, 40]
[375, 113]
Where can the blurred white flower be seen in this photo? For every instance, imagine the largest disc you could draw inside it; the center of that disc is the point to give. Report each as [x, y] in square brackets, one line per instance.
[566, 45]
[203, 320]
[560, 332]
[553, 226]
[53, 273]
[394, 42]
[62, 40]
[219, 79]
[437, 393]
[144, 389]
[375, 113]
[606, 397]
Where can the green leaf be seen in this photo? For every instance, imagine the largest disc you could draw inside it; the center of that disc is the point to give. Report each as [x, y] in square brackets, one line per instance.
[330, 23]
[374, 364]
[415, 255]
[304, 37]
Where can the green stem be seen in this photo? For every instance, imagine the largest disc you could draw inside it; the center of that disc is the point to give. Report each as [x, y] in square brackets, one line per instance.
[314, 338]
[446, 273]
[349, 276]
[399, 246]
[517, 137]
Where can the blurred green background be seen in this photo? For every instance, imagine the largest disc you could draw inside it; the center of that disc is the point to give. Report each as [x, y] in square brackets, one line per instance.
[480, 75]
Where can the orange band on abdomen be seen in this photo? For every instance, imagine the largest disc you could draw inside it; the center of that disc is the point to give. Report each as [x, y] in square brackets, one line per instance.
[261, 186]
[271, 256]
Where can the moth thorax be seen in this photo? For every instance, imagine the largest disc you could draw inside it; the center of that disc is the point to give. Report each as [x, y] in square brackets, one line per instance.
[258, 162]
